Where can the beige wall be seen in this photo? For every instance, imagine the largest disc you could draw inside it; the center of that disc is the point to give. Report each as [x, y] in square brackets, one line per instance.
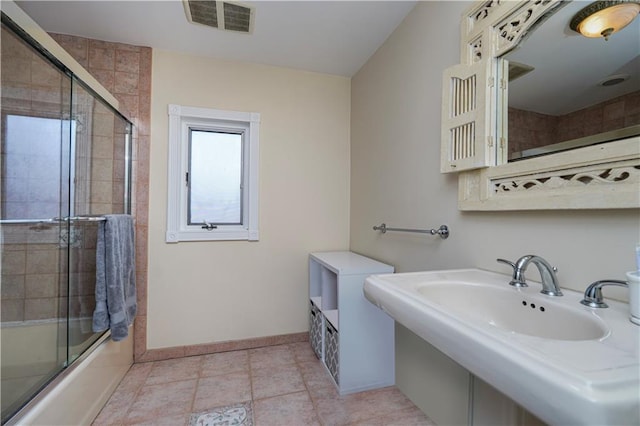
[395, 178]
[203, 292]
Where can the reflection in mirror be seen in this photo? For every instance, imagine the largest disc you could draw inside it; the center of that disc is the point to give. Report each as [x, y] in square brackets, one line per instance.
[568, 91]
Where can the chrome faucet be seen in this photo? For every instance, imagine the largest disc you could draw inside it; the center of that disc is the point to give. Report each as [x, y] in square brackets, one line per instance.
[593, 294]
[518, 279]
[550, 285]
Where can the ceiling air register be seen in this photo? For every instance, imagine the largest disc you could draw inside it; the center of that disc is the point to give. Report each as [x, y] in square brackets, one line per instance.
[219, 14]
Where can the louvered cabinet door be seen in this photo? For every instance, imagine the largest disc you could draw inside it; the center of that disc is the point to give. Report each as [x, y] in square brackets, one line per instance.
[469, 95]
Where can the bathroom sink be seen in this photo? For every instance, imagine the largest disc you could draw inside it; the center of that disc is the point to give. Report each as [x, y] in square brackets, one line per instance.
[563, 361]
[515, 311]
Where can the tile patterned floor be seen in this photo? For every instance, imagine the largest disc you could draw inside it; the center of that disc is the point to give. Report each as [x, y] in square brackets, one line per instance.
[286, 384]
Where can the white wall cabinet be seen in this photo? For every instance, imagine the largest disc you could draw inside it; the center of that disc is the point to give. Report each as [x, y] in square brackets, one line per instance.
[353, 338]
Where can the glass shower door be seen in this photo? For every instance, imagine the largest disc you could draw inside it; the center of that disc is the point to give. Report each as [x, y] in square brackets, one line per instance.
[65, 163]
[35, 179]
[99, 147]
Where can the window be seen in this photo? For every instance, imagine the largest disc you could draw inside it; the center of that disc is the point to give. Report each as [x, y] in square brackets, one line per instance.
[213, 175]
[35, 170]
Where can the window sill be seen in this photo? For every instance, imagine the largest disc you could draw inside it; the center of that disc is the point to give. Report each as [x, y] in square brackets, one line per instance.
[213, 235]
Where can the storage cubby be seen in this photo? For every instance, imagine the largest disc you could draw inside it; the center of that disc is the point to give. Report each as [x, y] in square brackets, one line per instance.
[353, 338]
[329, 285]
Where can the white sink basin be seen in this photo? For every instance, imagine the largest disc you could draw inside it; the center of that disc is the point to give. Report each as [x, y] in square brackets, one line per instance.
[564, 362]
[515, 311]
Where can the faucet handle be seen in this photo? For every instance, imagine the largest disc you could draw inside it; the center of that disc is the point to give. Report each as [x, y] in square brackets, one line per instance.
[517, 279]
[508, 262]
[593, 294]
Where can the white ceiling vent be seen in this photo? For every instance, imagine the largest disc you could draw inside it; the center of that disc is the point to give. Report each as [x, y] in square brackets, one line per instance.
[220, 14]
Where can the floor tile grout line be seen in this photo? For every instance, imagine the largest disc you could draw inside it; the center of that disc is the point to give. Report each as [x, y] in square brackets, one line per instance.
[172, 380]
[195, 391]
[245, 368]
[163, 384]
[306, 386]
[135, 394]
[250, 375]
[295, 363]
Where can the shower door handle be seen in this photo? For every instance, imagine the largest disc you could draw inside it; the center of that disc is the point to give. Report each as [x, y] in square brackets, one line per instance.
[79, 219]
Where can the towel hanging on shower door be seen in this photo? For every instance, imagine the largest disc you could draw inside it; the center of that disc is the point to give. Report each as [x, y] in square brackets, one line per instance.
[115, 276]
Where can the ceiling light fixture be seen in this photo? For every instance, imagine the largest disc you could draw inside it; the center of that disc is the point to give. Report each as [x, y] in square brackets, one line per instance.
[603, 18]
[612, 80]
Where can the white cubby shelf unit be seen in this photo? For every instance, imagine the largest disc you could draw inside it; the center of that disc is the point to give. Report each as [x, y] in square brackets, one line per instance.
[351, 336]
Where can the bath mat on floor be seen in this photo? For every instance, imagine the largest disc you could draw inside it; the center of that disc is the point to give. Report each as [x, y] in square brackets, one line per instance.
[230, 415]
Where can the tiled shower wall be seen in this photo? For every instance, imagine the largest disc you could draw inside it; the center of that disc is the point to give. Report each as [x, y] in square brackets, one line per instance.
[529, 129]
[34, 278]
[125, 71]
[34, 258]
[29, 267]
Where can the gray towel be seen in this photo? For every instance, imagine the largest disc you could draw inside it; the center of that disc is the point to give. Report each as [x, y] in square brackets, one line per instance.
[115, 276]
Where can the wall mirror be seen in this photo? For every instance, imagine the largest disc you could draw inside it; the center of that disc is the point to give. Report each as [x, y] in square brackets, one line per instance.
[522, 89]
[567, 91]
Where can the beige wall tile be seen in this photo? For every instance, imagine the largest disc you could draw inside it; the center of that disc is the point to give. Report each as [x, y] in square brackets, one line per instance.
[12, 310]
[12, 286]
[128, 104]
[100, 58]
[41, 285]
[101, 169]
[13, 47]
[17, 70]
[16, 96]
[101, 192]
[41, 261]
[102, 147]
[43, 308]
[14, 262]
[78, 47]
[127, 61]
[42, 74]
[103, 125]
[126, 83]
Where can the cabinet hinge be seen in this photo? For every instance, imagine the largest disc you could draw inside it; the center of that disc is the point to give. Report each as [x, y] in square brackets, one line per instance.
[490, 141]
[491, 81]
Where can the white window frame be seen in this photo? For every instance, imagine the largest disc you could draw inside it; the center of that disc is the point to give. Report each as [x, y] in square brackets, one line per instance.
[181, 120]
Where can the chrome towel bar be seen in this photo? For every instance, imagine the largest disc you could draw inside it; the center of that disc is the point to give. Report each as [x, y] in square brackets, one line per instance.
[98, 218]
[54, 220]
[443, 231]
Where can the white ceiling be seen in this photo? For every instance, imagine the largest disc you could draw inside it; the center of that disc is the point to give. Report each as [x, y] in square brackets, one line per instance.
[334, 37]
